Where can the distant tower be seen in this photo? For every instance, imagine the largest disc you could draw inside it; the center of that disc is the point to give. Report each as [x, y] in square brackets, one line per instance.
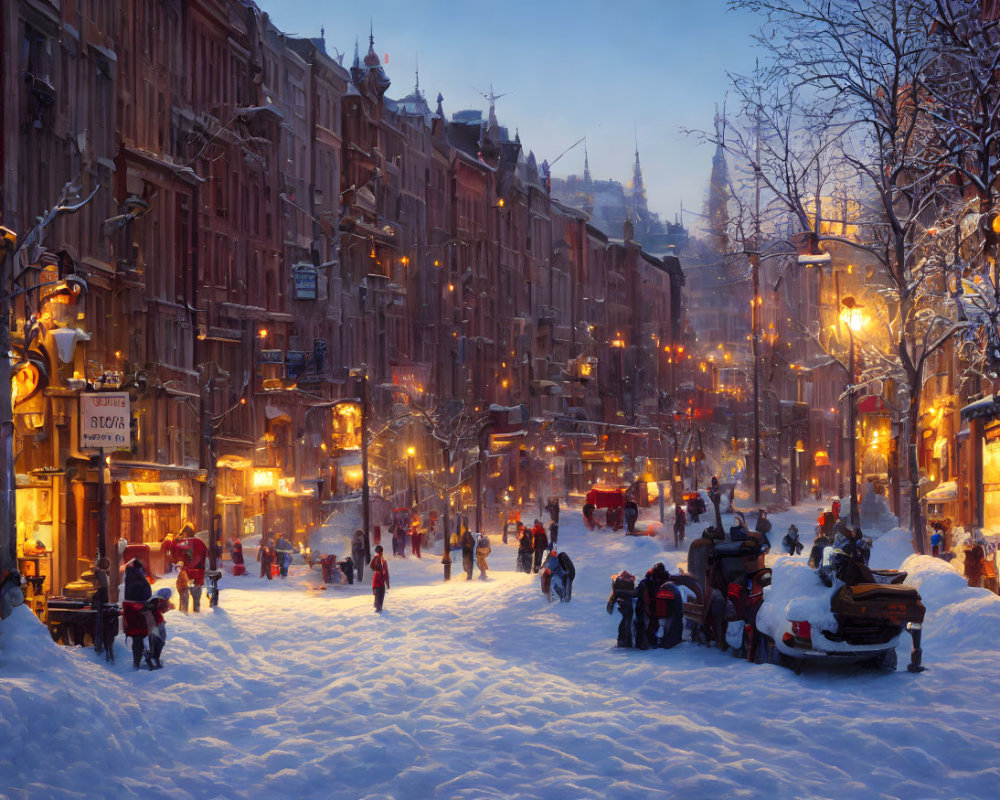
[588, 184]
[717, 210]
[640, 209]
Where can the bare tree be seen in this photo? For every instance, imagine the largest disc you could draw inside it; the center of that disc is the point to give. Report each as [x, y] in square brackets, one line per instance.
[866, 59]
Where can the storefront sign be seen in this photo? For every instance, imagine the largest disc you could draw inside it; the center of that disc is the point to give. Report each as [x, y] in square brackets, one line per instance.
[272, 357]
[104, 421]
[305, 282]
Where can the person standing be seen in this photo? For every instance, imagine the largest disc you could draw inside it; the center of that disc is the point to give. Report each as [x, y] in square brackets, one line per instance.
[283, 551]
[265, 555]
[415, 537]
[380, 578]
[182, 587]
[358, 553]
[524, 548]
[468, 552]
[539, 543]
[239, 565]
[135, 622]
[483, 550]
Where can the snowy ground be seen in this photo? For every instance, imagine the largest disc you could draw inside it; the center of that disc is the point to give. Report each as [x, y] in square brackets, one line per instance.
[485, 690]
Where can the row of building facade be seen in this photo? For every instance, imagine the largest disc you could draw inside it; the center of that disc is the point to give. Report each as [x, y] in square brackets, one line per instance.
[274, 260]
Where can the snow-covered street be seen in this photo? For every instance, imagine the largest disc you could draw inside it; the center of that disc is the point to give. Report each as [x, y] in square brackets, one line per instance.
[473, 689]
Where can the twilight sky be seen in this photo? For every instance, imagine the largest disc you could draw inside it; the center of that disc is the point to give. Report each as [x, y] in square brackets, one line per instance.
[611, 70]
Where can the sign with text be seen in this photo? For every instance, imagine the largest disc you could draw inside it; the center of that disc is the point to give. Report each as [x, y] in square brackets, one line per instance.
[104, 421]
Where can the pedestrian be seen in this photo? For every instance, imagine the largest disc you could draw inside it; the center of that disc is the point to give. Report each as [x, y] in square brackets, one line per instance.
[553, 508]
[553, 533]
[415, 537]
[539, 543]
[680, 523]
[569, 574]
[380, 578]
[283, 551]
[399, 541]
[763, 527]
[468, 552]
[192, 551]
[135, 622]
[358, 553]
[552, 576]
[159, 605]
[99, 600]
[239, 565]
[631, 515]
[790, 541]
[835, 507]
[182, 587]
[483, 550]
[524, 548]
[820, 543]
[265, 555]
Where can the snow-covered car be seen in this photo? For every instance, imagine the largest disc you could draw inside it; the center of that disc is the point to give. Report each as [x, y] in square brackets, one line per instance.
[840, 612]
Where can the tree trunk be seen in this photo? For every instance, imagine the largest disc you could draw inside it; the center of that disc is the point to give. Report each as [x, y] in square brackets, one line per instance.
[913, 466]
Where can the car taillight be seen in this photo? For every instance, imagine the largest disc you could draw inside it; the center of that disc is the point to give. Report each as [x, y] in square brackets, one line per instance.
[802, 630]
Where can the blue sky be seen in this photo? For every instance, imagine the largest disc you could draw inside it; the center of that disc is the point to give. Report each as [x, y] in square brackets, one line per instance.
[611, 70]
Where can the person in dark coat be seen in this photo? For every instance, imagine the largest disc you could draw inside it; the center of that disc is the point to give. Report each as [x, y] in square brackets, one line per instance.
[239, 565]
[553, 508]
[680, 523]
[265, 555]
[136, 620]
[539, 543]
[358, 553]
[631, 515]
[468, 553]
[647, 623]
[790, 542]
[820, 543]
[525, 548]
[569, 573]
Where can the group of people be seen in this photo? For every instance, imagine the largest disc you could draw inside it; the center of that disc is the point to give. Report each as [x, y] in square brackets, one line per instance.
[531, 546]
[142, 616]
[652, 610]
[276, 558]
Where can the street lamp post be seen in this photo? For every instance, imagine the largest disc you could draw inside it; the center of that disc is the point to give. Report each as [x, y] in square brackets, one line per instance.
[851, 305]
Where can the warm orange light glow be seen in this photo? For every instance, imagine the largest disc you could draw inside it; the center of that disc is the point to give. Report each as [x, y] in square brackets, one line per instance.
[262, 333]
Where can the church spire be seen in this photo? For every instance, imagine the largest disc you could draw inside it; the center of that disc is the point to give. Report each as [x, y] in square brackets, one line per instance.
[638, 190]
[718, 191]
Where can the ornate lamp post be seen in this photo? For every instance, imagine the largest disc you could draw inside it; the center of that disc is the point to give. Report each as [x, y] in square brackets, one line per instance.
[852, 318]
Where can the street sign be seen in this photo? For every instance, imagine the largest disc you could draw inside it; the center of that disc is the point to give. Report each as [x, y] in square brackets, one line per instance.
[104, 421]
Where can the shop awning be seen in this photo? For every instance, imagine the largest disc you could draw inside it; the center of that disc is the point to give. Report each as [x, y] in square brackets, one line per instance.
[276, 414]
[156, 499]
[234, 462]
[943, 493]
[985, 408]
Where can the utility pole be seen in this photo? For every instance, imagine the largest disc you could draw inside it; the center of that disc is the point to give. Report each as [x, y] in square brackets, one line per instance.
[8, 541]
[755, 319]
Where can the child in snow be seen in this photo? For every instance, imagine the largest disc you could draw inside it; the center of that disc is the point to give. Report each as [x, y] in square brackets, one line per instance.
[182, 587]
[159, 605]
[791, 542]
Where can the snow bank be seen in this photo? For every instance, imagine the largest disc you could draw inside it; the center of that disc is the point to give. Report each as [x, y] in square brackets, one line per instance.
[795, 593]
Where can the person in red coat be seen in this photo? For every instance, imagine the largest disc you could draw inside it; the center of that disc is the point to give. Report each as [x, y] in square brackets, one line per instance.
[137, 620]
[239, 565]
[415, 538]
[380, 578]
[193, 552]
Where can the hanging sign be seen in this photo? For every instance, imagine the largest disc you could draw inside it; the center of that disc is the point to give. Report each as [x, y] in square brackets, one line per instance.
[104, 421]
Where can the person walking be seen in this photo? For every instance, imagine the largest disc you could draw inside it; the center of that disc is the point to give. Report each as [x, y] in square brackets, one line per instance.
[680, 523]
[539, 543]
[380, 578]
[358, 553]
[283, 551]
[483, 550]
[468, 552]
